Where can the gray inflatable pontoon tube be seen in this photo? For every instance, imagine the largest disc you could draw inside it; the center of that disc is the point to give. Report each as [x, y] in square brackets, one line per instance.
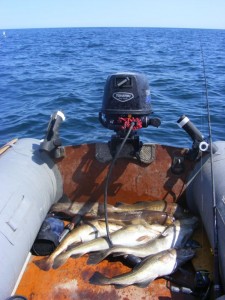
[200, 198]
[30, 183]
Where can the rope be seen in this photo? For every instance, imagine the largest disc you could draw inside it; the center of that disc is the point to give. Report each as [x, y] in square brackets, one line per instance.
[107, 183]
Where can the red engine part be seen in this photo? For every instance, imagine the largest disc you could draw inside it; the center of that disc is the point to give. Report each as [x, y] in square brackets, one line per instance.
[126, 123]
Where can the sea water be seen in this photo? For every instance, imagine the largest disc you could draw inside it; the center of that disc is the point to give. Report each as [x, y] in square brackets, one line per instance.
[45, 70]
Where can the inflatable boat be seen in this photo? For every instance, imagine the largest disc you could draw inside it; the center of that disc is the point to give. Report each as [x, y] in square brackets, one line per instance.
[37, 176]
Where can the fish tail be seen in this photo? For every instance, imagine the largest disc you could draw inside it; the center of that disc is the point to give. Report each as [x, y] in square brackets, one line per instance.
[98, 278]
[60, 260]
[96, 257]
[44, 264]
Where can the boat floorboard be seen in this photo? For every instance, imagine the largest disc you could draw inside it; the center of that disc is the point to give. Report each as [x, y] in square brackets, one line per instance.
[84, 179]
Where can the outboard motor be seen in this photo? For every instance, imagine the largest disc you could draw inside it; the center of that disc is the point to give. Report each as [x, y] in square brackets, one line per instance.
[126, 100]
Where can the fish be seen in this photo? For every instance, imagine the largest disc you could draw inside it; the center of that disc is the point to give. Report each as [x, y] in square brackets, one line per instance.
[174, 236]
[83, 233]
[94, 208]
[138, 217]
[171, 208]
[130, 235]
[77, 208]
[161, 264]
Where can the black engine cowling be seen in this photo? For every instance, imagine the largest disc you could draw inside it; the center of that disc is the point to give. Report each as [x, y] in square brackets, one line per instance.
[126, 99]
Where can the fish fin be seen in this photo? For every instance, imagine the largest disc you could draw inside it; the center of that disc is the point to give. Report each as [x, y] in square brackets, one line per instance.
[163, 234]
[98, 278]
[116, 254]
[44, 264]
[77, 255]
[120, 286]
[71, 246]
[144, 284]
[118, 204]
[140, 202]
[94, 234]
[95, 257]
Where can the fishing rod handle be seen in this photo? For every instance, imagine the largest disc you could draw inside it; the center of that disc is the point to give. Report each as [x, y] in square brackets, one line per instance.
[185, 123]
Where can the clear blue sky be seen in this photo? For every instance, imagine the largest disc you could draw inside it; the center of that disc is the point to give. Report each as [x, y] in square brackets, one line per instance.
[82, 13]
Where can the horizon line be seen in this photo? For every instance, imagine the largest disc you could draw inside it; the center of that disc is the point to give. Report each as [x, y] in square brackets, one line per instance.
[153, 27]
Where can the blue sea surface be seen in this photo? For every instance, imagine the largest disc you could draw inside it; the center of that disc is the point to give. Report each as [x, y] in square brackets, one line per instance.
[45, 70]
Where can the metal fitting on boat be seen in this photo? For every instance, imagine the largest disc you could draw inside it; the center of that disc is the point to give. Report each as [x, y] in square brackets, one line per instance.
[52, 143]
[203, 146]
[190, 128]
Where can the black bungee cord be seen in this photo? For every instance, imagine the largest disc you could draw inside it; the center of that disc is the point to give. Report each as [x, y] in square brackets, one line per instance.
[107, 183]
[217, 285]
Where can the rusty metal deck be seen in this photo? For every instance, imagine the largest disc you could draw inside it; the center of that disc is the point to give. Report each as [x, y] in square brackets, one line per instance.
[84, 179]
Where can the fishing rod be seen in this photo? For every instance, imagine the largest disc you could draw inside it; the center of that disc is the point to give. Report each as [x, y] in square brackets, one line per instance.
[217, 286]
[107, 182]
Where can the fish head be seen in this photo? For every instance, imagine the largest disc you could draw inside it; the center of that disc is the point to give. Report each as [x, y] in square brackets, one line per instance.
[182, 234]
[177, 236]
[185, 232]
